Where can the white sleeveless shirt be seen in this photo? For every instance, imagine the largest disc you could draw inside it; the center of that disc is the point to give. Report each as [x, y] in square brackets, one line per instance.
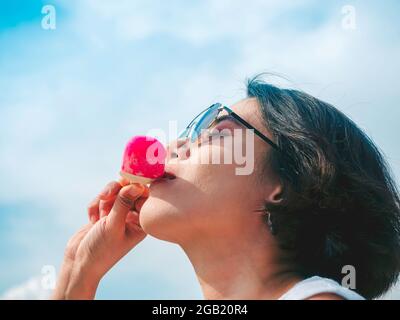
[316, 285]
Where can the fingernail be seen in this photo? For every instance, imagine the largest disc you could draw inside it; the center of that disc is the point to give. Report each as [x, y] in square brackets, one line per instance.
[136, 189]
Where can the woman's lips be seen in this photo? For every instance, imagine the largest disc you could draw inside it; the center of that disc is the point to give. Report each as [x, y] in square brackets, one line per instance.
[168, 176]
[165, 177]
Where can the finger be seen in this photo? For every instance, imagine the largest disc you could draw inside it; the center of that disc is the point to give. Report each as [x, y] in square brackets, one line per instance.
[124, 181]
[133, 229]
[124, 202]
[107, 197]
[132, 217]
[139, 203]
[110, 190]
[105, 206]
[93, 210]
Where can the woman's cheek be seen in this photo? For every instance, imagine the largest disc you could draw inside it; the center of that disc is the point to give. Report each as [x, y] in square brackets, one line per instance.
[216, 152]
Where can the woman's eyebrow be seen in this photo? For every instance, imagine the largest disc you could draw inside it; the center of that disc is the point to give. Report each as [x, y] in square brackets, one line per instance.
[226, 117]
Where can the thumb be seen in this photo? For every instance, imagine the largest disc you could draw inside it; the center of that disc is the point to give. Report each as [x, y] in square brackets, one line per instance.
[124, 202]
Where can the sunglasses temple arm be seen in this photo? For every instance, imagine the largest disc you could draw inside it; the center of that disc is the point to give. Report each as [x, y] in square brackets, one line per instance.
[249, 126]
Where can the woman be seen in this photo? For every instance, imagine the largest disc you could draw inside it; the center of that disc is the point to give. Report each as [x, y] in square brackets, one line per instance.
[319, 200]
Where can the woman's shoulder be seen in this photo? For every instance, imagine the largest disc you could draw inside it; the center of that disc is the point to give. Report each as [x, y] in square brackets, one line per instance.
[319, 288]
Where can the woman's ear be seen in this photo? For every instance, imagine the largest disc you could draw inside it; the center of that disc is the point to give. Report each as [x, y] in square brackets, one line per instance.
[274, 194]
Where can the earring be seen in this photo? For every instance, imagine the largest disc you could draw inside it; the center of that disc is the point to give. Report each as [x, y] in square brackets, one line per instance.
[269, 221]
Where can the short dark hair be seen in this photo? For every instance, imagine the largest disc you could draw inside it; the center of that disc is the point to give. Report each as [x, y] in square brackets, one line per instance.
[340, 205]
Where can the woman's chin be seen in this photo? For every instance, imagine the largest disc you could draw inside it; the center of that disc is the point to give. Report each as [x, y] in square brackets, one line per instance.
[157, 219]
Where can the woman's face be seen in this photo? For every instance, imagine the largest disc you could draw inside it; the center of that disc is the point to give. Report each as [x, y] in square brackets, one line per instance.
[205, 198]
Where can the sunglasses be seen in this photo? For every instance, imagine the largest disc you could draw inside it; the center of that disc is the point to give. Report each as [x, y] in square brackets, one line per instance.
[213, 114]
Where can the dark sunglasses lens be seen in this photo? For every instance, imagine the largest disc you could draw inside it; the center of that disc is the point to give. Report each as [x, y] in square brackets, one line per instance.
[187, 133]
[184, 134]
[203, 122]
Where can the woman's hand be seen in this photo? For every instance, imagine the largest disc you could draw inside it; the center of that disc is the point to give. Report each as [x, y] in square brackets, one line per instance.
[113, 231]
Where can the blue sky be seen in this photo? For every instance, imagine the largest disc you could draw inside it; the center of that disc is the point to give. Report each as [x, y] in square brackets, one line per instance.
[71, 97]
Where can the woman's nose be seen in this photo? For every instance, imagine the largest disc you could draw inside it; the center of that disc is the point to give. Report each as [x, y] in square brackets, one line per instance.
[179, 148]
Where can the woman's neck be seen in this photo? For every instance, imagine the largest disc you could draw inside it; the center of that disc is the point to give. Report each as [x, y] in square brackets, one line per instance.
[239, 268]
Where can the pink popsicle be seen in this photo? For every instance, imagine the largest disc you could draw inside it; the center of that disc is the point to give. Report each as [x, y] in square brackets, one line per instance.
[143, 160]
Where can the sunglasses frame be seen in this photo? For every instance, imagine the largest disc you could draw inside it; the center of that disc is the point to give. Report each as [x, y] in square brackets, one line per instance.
[234, 115]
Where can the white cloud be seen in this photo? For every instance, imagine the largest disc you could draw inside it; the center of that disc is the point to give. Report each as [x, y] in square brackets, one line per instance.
[196, 23]
[32, 289]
